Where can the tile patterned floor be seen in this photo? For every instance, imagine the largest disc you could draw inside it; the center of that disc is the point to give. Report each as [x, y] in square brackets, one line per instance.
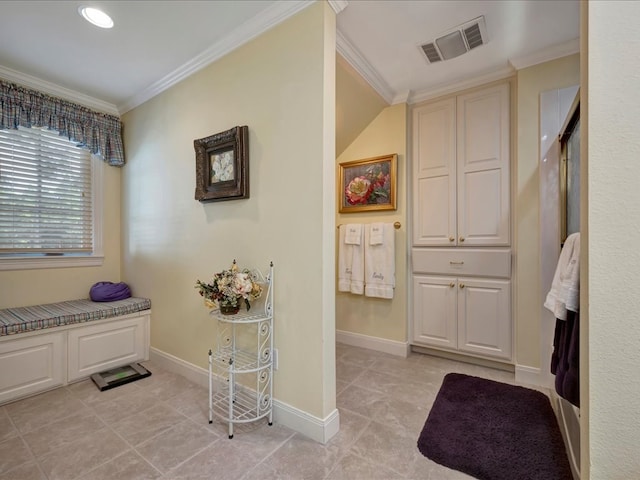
[157, 428]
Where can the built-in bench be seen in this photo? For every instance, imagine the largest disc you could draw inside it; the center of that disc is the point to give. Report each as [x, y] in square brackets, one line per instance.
[46, 346]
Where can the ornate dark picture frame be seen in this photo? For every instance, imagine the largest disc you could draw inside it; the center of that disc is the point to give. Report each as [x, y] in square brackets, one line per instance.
[222, 165]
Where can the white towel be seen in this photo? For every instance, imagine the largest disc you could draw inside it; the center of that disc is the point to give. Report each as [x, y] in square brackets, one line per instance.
[380, 264]
[350, 265]
[353, 235]
[376, 234]
[565, 288]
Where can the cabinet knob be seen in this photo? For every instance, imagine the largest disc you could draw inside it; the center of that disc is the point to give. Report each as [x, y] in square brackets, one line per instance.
[462, 285]
[452, 285]
[461, 239]
[451, 239]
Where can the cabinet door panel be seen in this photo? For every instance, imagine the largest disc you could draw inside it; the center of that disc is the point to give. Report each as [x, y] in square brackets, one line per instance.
[484, 308]
[434, 128]
[434, 311]
[479, 133]
[482, 219]
[434, 173]
[434, 221]
[31, 364]
[483, 158]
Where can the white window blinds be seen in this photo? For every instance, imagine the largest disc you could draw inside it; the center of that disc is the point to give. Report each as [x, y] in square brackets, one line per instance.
[45, 194]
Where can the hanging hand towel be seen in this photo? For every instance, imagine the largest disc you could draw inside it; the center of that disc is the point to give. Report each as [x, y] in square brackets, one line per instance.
[353, 235]
[380, 264]
[350, 264]
[376, 234]
[565, 288]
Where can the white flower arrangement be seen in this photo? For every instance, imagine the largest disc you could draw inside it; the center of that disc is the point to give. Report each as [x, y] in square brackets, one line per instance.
[227, 289]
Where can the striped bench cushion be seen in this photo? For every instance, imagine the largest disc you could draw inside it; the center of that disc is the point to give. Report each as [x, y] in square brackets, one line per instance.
[27, 319]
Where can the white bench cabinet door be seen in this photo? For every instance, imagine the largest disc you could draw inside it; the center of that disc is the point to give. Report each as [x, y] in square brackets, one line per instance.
[31, 364]
[101, 347]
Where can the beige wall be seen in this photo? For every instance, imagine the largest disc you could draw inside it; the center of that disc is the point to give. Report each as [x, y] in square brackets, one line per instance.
[282, 85]
[30, 287]
[610, 385]
[357, 104]
[531, 81]
[386, 319]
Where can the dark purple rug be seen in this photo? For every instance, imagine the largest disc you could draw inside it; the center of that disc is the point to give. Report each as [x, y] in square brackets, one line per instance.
[494, 431]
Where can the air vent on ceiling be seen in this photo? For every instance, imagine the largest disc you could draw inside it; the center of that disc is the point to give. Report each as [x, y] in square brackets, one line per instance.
[455, 42]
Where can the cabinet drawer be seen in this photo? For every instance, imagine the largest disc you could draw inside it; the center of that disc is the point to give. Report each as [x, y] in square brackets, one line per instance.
[458, 261]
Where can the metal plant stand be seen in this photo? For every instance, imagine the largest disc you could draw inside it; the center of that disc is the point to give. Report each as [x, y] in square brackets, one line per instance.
[241, 364]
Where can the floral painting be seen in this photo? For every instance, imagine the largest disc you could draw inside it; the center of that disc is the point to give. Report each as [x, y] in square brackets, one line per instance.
[368, 184]
[222, 166]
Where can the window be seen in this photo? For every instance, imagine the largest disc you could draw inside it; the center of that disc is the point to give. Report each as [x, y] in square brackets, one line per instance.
[50, 201]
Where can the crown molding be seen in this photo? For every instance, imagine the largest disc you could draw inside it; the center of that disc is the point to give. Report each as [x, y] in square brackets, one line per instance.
[270, 17]
[57, 91]
[401, 98]
[449, 88]
[338, 5]
[358, 62]
[546, 55]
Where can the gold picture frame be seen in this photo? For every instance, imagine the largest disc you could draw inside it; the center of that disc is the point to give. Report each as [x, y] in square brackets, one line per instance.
[368, 184]
[222, 165]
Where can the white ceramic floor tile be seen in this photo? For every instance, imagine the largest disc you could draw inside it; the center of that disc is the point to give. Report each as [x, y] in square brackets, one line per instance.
[157, 428]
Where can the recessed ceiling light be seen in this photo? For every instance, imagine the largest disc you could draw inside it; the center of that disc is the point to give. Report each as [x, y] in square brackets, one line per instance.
[95, 16]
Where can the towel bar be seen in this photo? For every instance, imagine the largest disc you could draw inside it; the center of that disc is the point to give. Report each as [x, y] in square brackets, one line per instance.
[396, 225]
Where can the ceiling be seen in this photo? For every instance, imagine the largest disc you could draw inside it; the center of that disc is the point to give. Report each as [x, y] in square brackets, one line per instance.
[154, 44]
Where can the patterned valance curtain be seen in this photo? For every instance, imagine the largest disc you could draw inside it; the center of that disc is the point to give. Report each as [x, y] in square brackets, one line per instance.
[99, 132]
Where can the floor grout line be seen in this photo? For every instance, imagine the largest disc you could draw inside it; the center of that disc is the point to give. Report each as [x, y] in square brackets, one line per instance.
[353, 362]
[270, 454]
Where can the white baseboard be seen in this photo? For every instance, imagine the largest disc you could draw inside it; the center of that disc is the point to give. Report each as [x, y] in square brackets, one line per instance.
[317, 429]
[528, 375]
[320, 430]
[393, 347]
[173, 364]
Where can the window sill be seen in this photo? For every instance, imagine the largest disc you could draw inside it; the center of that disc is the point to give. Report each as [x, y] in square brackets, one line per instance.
[50, 262]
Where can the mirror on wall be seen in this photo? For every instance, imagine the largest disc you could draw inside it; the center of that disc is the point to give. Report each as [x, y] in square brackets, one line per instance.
[570, 171]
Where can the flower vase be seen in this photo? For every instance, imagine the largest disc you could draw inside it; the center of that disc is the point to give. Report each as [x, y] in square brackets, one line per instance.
[229, 309]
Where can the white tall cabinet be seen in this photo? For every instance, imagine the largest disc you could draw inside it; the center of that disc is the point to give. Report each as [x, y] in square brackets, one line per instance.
[461, 260]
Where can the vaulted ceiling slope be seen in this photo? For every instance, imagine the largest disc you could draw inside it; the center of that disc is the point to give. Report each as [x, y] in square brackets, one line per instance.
[155, 44]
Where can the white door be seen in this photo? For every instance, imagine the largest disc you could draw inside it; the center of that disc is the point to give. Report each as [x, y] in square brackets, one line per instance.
[483, 153]
[434, 174]
[484, 313]
[434, 311]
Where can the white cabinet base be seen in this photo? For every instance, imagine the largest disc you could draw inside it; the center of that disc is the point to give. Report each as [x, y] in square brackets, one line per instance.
[37, 361]
[465, 357]
[465, 314]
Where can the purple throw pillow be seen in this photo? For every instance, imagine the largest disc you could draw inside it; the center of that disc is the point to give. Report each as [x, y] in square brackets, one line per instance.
[109, 291]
